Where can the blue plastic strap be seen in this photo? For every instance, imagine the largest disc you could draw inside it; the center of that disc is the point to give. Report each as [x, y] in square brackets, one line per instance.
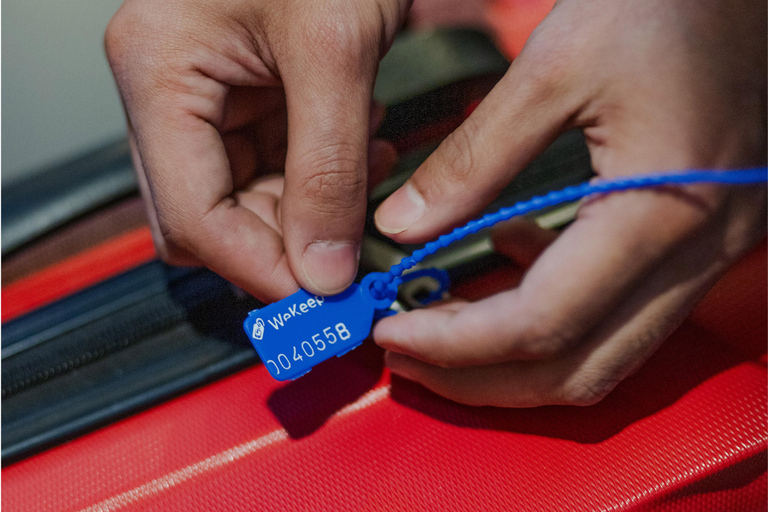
[302, 330]
[740, 177]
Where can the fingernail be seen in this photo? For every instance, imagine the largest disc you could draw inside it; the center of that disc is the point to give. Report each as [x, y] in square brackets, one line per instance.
[330, 266]
[401, 210]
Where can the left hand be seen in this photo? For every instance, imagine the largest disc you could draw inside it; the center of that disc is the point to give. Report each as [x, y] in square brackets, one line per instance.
[655, 86]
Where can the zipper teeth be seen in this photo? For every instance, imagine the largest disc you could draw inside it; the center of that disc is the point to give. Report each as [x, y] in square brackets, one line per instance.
[142, 321]
[120, 336]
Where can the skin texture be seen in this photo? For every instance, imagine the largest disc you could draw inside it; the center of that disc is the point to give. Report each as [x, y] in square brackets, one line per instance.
[220, 94]
[655, 86]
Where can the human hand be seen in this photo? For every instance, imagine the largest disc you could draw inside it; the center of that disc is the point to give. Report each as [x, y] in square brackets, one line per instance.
[655, 86]
[212, 89]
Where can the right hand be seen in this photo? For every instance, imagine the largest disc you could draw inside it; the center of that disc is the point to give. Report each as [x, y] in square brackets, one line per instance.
[212, 89]
[655, 85]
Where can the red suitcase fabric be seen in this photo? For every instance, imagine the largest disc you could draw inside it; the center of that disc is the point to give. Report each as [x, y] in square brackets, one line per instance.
[687, 432]
[105, 260]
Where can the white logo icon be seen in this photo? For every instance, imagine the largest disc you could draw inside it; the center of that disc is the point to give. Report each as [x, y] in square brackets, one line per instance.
[258, 329]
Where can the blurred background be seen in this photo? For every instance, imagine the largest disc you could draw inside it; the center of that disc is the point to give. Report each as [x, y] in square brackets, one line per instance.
[59, 99]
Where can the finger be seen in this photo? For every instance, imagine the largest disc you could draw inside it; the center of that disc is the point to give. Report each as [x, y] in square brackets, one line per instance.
[260, 150]
[257, 143]
[242, 155]
[329, 100]
[522, 240]
[253, 129]
[382, 157]
[614, 349]
[662, 300]
[168, 253]
[570, 288]
[522, 115]
[515, 384]
[271, 142]
[248, 105]
[257, 149]
[378, 111]
[262, 197]
[192, 189]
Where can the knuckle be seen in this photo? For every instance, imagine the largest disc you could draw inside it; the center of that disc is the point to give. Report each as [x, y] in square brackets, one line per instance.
[542, 340]
[544, 48]
[117, 35]
[586, 389]
[341, 43]
[137, 44]
[334, 36]
[458, 156]
[175, 234]
[544, 70]
[336, 182]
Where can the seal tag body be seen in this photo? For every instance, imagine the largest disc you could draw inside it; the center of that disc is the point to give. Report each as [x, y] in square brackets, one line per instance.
[302, 330]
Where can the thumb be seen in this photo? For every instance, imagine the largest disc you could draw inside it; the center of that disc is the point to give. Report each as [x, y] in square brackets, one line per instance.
[328, 97]
[518, 119]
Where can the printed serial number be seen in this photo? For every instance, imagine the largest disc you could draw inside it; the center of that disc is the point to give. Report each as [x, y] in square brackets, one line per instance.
[342, 333]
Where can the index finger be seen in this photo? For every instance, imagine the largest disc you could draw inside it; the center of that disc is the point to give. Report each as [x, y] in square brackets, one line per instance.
[576, 282]
[192, 189]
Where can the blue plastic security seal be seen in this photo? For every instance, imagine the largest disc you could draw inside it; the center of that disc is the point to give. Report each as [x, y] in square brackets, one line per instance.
[302, 330]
